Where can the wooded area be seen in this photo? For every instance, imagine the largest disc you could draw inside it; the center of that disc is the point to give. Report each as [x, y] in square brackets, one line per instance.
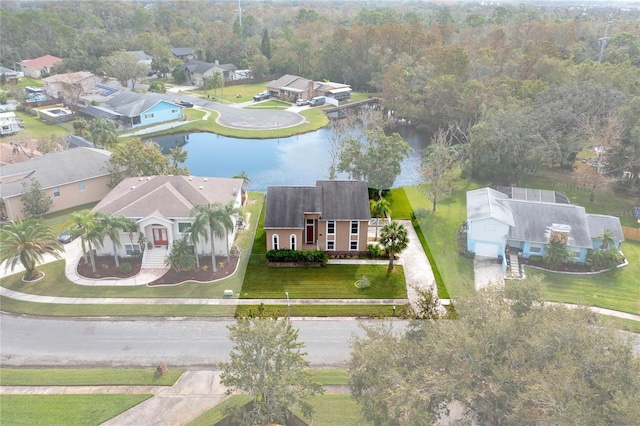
[522, 85]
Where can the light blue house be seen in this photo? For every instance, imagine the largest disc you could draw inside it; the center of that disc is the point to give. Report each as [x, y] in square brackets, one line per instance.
[130, 110]
[522, 221]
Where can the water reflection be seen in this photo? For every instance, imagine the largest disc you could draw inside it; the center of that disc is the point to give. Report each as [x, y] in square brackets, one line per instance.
[297, 160]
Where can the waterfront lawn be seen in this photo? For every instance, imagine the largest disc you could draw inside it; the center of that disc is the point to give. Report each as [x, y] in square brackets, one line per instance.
[86, 377]
[68, 410]
[400, 205]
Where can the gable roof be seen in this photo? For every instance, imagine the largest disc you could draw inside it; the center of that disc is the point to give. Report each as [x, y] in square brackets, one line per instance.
[140, 54]
[132, 104]
[333, 200]
[181, 51]
[485, 203]
[197, 67]
[292, 83]
[533, 221]
[598, 223]
[70, 77]
[54, 169]
[46, 61]
[167, 196]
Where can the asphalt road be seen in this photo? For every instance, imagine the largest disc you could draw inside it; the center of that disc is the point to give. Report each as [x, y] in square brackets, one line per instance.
[178, 342]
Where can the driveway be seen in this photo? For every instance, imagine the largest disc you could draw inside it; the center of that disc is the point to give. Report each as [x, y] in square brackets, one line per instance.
[487, 272]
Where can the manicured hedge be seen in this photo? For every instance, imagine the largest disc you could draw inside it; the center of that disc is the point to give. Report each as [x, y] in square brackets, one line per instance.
[287, 255]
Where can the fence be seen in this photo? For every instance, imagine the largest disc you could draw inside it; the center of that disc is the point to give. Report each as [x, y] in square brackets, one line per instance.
[632, 234]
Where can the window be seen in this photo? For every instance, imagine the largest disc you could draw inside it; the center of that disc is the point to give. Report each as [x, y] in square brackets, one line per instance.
[330, 245]
[354, 226]
[535, 249]
[148, 116]
[353, 245]
[293, 242]
[56, 191]
[132, 249]
[183, 227]
[331, 227]
[81, 186]
[173, 111]
[274, 242]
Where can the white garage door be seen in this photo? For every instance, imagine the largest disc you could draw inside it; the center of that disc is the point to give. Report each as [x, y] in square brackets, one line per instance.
[487, 250]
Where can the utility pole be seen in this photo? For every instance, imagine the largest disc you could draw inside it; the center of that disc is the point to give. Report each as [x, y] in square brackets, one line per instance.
[240, 14]
[603, 40]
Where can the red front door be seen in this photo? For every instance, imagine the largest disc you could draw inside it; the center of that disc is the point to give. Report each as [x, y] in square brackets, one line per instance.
[310, 231]
[160, 237]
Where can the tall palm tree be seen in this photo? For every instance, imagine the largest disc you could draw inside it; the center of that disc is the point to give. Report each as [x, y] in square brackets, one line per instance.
[207, 218]
[26, 241]
[394, 238]
[228, 213]
[218, 81]
[92, 233]
[112, 226]
[195, 233]
[245, 183]
[379, 208]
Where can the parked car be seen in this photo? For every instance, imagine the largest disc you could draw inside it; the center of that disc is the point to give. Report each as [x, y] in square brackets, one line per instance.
[302, 102]
[69, 234]
[261, 96]
[318, 100]
[186, 104]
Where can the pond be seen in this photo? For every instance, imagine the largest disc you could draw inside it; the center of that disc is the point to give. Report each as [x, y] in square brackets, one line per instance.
[296, 160]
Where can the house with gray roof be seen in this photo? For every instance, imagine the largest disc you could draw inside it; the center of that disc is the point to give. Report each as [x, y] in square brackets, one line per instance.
[523, 221]
[196, 71]
[130, 110]
[183, 53]
[70, 178]
[143, 58]
[293, 87]
[161, 207]
[333, 216]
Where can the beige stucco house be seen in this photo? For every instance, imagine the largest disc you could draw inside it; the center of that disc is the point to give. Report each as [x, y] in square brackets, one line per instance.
[38, 67]
[332, 216]
[161, 207]
[70, 178]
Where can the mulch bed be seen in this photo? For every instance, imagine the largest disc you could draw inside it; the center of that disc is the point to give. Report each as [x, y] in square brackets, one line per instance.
[204, 274]
[106, 268]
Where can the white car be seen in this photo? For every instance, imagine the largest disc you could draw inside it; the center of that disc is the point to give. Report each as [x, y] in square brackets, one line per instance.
[301, 102]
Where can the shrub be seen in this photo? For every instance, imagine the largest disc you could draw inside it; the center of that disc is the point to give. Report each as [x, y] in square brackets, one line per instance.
[374, 251]
[287, 255]
[125, 268]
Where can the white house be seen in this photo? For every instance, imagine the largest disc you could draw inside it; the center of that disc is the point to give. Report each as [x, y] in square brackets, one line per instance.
[9, 123]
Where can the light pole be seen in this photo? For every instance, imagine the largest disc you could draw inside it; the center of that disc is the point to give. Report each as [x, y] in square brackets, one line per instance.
[288, 306]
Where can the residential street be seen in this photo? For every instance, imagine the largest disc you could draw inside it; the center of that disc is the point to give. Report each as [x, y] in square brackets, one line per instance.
[145, 343]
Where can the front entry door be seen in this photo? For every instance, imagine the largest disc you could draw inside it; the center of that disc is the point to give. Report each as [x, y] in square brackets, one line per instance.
[310, 232]
[160, 237]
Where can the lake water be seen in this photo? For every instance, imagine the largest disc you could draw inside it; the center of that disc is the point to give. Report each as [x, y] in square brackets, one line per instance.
[297, 160]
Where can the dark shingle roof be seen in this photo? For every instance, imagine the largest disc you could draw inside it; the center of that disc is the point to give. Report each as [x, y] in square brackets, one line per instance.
[132, 104]
[181, 51]
[198, 67]
[55, 169]
[333, 200]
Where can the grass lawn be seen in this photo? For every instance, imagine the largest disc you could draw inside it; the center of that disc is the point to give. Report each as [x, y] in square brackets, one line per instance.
[216, 414]
[329, 282]
[22, 83]
[322, 311]
[618, 290]
[86, 377]
[68, 410]
[400, 205]
[330, 410]
[270, 104]
[330, 376]
[36, 128]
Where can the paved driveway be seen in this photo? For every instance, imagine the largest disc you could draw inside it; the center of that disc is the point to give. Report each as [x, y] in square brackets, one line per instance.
[486, 272]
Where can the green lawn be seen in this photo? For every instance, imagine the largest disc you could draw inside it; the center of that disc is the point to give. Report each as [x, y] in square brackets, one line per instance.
[216, 414]
[401, 208]
[67, 410]
[22, 83]
[270, 104]
[618, 290]
[86, 377]
[322, 311]
[330, 376]
[36, 128]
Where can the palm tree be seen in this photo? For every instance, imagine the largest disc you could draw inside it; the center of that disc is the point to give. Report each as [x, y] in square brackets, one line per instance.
[194, 238]
[92, 233]
[556, 254]
[207, 217]
[245, 183]
[218, 81]
[227, 214]
[26, 241]
[607, 240]
[394, 238]
[112, 225]
[380, 207]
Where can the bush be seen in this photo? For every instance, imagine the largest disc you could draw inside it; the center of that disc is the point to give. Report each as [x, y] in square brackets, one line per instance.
[287, 255]
[535, 260]
[374, 251]
[125, 268]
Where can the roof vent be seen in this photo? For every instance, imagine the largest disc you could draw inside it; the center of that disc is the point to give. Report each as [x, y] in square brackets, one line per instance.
[139, 179]
[148, 178]
[190, 178]
[200, 187]
[205, 179]
[133, 187]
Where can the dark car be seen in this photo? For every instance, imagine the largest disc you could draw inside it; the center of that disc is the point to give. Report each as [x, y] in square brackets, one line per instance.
[261, 97]
[186, 104]
[69, 234]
